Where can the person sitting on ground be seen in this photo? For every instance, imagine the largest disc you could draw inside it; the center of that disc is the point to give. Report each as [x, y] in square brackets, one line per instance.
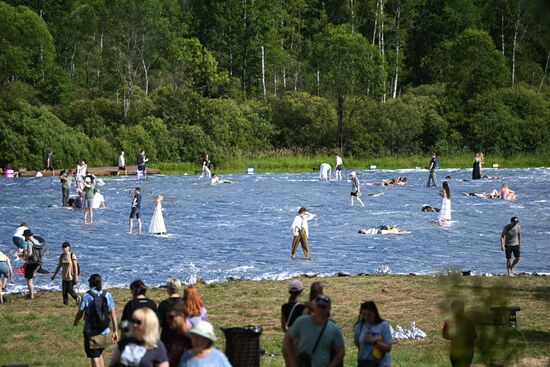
[139, 300]
[142, 347]
[203, 353]
[6, 274]
[430, 209]
[372, 336]
[383, 229]
[195, 305]
[180, 341]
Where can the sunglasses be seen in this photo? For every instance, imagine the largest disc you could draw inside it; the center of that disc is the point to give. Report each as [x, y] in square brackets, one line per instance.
[136, 321]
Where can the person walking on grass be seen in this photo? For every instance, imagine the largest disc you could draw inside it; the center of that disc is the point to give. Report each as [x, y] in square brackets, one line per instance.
[355, 189]
[433, 167]
[460, 330]
[6, 274]
[510, 243]
[300, 232]
[315, 340]
[98, 308]
[135, 211]
[69, 275]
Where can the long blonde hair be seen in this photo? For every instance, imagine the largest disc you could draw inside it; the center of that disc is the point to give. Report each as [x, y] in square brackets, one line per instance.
[158, 199]
[150, 325]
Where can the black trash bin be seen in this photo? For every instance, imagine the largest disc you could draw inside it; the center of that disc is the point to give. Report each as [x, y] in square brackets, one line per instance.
[242, 345]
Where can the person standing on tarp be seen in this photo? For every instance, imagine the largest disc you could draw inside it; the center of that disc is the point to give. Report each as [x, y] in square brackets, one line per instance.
[433, 167]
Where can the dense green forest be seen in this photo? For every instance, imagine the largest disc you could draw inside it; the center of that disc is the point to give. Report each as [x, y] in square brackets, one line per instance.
[233, 78]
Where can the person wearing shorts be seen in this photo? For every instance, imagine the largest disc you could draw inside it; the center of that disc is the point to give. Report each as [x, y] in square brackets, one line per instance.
[18, 239]
[339, 168]
[85, 310]
[6, 273]
[510, 243]
[88, 200]
[121, 163]
[135, 212]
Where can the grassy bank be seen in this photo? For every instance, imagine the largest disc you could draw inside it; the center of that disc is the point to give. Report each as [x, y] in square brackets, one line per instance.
[40, 332]
[288, 162]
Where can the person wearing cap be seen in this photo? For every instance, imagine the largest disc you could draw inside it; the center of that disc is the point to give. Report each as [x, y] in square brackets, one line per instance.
[88, 199]
[339, 168]
[355, 189]
[325, 172]
[315, 337]
[300, 232]
[203, 353]
[291, 310]
[510, 243]
[30, 268]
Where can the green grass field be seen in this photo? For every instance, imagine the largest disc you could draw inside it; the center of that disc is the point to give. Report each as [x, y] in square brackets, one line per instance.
[40, 332]
[284, 161]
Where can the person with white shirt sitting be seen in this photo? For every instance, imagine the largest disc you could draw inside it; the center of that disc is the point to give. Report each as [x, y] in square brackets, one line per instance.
[300, 232]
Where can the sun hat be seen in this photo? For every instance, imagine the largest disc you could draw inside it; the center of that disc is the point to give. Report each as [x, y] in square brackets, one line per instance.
[204, 329]
[295, 285]
[27, 233]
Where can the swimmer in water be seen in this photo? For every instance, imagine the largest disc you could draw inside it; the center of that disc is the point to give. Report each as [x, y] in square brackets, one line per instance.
[218, 180]
[325, 172]
[506, 193]
[427, 208]
[391, 182]
[487, 195]
[383, 229]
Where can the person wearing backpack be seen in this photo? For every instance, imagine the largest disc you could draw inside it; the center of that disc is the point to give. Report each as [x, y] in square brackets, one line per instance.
[98, 307]
[70, 273]
[33, 255]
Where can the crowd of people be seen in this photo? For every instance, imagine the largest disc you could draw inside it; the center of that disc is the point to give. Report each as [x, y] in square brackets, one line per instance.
[176, 331]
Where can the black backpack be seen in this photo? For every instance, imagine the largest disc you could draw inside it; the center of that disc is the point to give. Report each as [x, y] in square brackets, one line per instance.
[38, 251]
[100, 316]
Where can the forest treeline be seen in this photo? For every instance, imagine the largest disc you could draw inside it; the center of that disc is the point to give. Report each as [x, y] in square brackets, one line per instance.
[179, 78]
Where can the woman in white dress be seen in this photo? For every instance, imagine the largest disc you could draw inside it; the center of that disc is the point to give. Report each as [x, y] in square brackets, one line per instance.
[445, 212]
[157, 222]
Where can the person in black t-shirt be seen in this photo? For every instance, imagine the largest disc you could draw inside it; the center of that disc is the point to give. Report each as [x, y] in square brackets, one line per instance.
[139, 300]
[293, 309]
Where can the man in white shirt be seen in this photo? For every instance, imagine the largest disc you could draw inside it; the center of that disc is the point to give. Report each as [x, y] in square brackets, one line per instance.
[300, 232]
